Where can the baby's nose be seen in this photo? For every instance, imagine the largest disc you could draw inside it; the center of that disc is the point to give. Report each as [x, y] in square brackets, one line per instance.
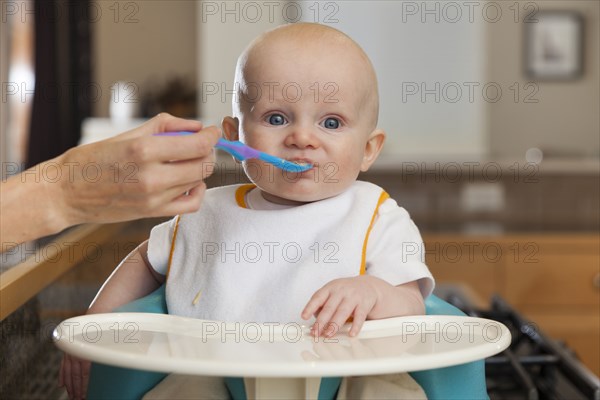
[302, 137]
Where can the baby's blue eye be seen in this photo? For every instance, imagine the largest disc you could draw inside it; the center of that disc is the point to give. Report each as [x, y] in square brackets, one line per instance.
[276, 119]
[331, 123]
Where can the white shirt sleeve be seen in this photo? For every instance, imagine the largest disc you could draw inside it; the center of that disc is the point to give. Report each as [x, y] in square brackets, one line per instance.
[395, 250]
[159, 245]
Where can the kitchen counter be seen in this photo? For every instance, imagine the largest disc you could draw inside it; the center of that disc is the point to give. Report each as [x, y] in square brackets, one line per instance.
[551, 278]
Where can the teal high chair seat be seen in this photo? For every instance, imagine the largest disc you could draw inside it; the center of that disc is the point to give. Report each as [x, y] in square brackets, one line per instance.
[460, 382]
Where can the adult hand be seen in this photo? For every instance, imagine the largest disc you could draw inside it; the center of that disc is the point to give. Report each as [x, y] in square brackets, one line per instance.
[137, 174]
[133, 175]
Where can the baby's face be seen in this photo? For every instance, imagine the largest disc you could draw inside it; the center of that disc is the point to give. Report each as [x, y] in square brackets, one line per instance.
[302, 106]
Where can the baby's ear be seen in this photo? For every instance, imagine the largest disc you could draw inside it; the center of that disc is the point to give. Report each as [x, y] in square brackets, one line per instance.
[231, 128]
[372, 148]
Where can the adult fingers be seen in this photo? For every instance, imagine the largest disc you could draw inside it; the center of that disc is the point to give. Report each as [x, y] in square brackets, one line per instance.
[172, 148]
[179, 173]
[177, 202]
[163, 122]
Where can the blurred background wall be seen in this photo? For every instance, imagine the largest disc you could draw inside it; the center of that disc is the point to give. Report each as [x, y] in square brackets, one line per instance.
[144, 43]
[565, 122]
[203, 40]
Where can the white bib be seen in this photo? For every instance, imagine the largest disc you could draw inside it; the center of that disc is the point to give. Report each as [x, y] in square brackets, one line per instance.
[232, 263]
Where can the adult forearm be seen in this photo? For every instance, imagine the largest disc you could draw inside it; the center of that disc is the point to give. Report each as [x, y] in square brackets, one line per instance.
[31, 205]
[129, 176]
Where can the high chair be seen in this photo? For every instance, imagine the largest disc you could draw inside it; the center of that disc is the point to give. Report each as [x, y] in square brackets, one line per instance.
[465, 381]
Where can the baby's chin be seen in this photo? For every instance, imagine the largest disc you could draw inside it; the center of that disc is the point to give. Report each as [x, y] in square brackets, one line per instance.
[298, 198]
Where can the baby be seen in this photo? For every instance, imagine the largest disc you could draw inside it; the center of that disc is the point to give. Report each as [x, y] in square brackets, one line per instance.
[290, 247]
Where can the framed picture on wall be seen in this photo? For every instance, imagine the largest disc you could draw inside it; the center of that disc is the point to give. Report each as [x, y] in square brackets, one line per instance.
[554, 45]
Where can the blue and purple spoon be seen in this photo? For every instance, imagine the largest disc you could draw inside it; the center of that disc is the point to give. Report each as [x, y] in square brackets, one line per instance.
[243, 152]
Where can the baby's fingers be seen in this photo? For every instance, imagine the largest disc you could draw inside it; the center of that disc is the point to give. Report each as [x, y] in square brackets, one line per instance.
[76, 372]
[74, 376]
[85, 374]
[324, 324]
[61, 379]
[315, 303]
[358, 320]
[342, 313]
[66, 375]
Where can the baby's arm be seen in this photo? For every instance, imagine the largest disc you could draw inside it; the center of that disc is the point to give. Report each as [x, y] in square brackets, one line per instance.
[132, 279]
[362, 297]
[394, 238]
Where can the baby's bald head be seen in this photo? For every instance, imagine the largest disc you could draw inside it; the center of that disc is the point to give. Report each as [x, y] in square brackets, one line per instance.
[318, 48]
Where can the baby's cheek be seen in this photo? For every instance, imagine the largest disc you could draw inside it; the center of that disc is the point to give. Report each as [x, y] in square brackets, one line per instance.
[257, 171]
[345, 170]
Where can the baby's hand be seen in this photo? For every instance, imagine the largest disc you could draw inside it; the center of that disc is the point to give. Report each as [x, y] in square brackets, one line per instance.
[338, 300]
[74, 376]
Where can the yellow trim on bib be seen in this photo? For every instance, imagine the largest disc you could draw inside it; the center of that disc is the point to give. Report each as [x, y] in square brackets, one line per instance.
[173, 245]
[363, 263]
[240, 194]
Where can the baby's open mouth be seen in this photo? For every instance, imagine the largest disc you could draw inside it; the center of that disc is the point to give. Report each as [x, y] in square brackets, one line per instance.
[299, 165]
[300, 161]
[304, 164]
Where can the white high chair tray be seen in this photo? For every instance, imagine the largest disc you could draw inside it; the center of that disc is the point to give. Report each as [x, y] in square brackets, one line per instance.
[168, 343]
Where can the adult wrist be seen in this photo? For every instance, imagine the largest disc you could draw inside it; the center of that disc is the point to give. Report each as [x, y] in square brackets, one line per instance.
[56, 190]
